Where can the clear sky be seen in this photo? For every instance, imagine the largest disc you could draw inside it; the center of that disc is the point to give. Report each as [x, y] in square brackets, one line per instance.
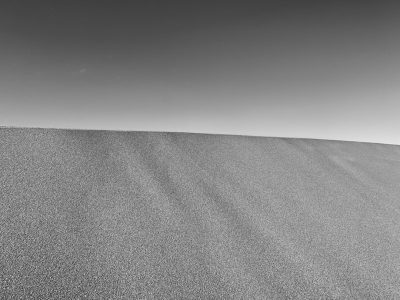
[314, 69]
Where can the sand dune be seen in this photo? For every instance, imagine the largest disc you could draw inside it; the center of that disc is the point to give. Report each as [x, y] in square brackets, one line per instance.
[134, 215]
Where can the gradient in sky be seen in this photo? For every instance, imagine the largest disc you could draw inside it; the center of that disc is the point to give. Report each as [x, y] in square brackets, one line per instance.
[314, 69]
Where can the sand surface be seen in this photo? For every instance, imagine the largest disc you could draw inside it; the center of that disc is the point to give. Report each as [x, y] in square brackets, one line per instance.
[134, 215]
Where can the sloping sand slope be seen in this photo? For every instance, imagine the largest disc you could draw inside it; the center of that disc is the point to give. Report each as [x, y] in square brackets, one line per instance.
[119, 215]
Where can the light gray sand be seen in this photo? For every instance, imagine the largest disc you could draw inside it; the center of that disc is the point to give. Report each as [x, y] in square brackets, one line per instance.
[119, 215]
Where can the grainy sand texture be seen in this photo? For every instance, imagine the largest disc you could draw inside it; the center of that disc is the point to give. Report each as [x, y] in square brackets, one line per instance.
[147, 215]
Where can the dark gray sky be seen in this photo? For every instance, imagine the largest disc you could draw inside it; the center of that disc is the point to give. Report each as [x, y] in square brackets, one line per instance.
[317, 69]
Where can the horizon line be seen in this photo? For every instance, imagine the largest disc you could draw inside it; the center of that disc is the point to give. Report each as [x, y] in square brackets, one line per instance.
[188, 132]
